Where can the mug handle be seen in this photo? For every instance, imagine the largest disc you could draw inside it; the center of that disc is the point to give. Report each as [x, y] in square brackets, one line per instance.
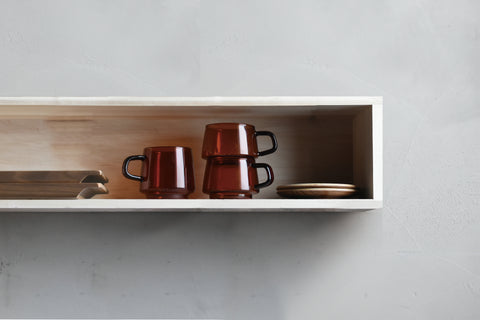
[269, 171]
[125, 172]
[274, 142]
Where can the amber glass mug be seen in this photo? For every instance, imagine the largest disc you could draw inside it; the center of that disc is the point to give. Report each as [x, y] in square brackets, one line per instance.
[234, 177]
[234, 139]
[167, 172]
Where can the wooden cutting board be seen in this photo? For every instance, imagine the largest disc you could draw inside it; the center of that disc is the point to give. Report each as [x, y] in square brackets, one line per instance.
[70, 176]
[50, 190]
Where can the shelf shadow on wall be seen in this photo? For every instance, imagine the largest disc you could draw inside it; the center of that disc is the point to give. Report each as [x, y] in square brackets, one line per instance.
[226, 263]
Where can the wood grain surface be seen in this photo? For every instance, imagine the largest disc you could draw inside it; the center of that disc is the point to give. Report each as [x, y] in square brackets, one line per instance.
[72, 176]
[51, 190]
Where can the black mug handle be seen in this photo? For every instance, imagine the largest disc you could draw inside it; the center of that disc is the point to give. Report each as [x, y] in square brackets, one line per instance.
[274, 142]
[269, 171]
[125, 172]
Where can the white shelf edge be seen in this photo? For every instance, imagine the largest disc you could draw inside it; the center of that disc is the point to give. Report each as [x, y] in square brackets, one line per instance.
[192, 101]
[189, 205]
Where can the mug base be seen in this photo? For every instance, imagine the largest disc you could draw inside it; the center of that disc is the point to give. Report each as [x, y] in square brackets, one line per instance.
[222, 195]
[166, 196]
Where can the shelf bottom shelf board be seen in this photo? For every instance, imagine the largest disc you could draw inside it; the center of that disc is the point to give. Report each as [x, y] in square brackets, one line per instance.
[190, 205]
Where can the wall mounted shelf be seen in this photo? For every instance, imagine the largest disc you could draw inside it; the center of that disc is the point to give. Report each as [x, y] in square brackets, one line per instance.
[321, 139]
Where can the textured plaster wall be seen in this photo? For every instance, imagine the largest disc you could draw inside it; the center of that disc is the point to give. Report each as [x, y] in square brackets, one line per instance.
[418, 258]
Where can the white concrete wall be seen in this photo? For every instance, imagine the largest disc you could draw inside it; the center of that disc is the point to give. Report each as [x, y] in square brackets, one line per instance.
[418, 258]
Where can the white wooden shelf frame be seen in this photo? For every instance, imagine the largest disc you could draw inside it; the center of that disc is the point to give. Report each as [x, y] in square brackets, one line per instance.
[337, 139]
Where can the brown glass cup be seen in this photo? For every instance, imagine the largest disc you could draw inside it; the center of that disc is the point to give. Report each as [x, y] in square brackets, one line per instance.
[167, 172]
[234, 139]
[234, 177]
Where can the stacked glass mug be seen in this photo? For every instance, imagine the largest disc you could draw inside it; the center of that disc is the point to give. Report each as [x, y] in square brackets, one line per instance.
[231, 171]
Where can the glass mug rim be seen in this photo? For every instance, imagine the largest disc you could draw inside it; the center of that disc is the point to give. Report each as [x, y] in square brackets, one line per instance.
[166, 148]
[234, 139]
[232, 124]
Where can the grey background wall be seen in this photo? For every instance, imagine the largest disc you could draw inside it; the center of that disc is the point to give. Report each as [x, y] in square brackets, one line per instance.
[418, 258]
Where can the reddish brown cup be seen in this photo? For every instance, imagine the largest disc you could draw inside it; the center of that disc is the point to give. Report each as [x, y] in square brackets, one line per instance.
[167, 172]
[234, 139]
[234, 177]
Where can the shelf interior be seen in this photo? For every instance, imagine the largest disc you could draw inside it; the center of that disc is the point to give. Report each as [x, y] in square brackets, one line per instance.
[316, 143]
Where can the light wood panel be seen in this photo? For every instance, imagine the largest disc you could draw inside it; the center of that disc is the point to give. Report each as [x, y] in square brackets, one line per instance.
[57, 176]
[317, 149]
[363, 152]
[50, 190]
